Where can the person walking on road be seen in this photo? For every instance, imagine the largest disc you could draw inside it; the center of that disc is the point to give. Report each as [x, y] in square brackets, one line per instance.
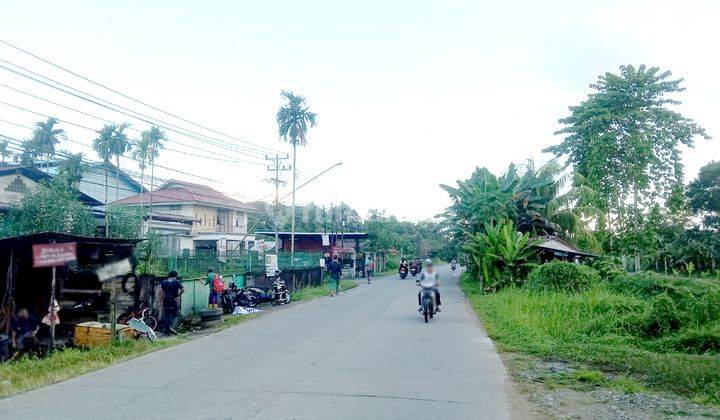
[335, 270]
[172, 290]
[370, 269]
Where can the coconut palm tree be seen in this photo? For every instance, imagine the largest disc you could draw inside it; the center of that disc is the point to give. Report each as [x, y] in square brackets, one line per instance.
[119, 145]
[111, 141]
[154, 138]
[293, 119]
[71, 168]
[4, 152]
[46, 136]
[102, 146]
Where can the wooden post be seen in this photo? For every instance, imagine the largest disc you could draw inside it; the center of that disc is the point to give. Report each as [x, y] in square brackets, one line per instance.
[52, 308]
[113, 305]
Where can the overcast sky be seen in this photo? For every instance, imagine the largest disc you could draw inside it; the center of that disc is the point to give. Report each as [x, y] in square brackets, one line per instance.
[409, 94]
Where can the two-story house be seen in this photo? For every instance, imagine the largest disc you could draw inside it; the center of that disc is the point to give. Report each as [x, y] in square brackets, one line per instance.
[195, 217]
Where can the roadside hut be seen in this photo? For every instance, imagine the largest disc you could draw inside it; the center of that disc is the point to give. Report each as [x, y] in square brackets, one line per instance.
[553, 247]
[80, 294]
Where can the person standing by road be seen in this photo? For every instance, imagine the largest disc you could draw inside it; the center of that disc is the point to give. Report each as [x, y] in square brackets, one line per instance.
[172, 290]
[23, 327]
[213, 295]
[335, 270]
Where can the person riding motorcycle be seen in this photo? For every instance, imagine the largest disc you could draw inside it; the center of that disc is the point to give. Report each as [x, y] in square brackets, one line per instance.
[429, 279]
[404, 266]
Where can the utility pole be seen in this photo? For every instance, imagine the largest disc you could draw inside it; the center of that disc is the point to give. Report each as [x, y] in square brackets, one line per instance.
[276, 167]
[342, 224]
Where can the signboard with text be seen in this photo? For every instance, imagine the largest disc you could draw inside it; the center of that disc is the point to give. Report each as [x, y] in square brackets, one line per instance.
[53, 255]
[271, 264]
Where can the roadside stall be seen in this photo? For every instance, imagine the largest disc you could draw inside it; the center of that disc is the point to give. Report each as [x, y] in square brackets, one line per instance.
[71, 280]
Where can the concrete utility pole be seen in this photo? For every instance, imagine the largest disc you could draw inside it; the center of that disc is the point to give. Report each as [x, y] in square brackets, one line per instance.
[276, 167]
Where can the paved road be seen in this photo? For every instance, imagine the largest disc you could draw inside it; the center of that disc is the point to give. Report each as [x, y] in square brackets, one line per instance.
[363, 355]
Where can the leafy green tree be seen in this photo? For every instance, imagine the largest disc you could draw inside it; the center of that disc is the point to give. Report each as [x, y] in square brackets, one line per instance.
[704, 195]
[125, 222]
[51, 207]
[625, 140]
[293, 119]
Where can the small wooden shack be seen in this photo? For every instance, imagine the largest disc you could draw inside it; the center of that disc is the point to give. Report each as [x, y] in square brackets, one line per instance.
[81, 296]
[553, 247]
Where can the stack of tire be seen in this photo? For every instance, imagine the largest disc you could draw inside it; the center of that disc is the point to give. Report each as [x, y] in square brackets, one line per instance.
[211, 317]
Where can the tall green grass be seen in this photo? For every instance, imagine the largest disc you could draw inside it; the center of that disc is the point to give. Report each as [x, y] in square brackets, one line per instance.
[612, 330]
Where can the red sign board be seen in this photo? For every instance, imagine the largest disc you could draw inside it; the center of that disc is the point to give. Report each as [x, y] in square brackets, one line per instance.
[51, 255]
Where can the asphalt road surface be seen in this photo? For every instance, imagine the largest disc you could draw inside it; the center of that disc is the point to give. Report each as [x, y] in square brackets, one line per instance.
[366, 354]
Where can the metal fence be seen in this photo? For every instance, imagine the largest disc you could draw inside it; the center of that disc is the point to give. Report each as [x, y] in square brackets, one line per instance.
[194, 264]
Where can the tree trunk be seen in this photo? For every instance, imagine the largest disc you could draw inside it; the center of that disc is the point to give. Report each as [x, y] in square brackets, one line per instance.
[117, 177]
[107, 216]
[152, 188]
[292, 231]
[636, 227]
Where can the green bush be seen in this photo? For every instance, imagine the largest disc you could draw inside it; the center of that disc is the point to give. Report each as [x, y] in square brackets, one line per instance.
[663, 316]
[692, 340]
[562, 276]
[391, 265]
[610, 268]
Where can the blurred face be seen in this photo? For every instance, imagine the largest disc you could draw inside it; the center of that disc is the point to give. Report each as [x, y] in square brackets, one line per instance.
[429, 268]
[23, 313]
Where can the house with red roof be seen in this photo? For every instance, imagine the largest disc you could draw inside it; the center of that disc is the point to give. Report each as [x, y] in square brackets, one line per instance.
[194, 217]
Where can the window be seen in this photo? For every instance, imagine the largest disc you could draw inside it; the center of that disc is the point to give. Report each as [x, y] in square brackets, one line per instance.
[175, 207]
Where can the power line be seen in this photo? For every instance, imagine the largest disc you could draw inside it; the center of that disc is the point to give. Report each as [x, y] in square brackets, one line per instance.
[126, 96]
[14, 147]
[123, 110]
[236, 160]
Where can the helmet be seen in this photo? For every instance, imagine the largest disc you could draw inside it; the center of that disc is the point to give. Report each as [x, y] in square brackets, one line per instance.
[428, 261]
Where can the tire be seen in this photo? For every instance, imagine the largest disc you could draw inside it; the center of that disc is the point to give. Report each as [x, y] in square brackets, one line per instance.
[211, 324]
[425, 314]
[288, 297]
[432, 312]
[210, 312]
[151, 336]
[151, 322]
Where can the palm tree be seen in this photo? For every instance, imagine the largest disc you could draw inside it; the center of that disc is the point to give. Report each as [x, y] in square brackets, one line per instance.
[293, 119]
[71, 168]
[119, 145]
[154, 140]
[45, 137]
[102, 145]
[4, 152]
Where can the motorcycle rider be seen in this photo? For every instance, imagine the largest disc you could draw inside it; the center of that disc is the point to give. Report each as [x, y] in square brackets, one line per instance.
[453, 263]
[404, 266]
[429, 279]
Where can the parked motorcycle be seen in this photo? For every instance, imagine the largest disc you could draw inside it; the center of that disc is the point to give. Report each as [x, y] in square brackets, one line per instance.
[428, 308]
[277, 293]
[232, 297]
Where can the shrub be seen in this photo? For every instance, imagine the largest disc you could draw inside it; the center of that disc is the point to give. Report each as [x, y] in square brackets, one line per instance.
[609, 268]
[562, 276]
[694, 341]
[391, 265]
[663, 316]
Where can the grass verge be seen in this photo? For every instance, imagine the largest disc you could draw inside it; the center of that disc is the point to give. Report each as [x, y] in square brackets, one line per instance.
[600, 329]
[28, 373]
